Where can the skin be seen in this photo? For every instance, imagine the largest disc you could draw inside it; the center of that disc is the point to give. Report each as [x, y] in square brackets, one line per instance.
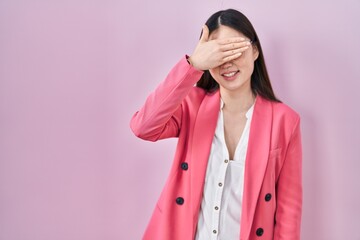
[229, 56]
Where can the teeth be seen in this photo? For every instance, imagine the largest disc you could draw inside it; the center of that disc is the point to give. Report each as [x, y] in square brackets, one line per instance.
[229, 74]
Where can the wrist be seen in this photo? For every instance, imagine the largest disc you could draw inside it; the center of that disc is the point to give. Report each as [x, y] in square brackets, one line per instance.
[191, 63]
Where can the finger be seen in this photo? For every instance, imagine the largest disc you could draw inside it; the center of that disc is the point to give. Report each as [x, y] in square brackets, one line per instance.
[231, 57]
[233, 46]
[231, 40]
[205, 34]
[235, 51]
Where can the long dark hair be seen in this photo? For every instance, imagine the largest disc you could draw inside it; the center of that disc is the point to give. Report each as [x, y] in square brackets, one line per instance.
[260, 81]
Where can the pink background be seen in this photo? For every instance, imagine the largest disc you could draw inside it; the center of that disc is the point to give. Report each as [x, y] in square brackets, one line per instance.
[72, 73]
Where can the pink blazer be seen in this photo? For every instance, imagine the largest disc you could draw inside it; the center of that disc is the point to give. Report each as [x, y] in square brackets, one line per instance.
[272, 198]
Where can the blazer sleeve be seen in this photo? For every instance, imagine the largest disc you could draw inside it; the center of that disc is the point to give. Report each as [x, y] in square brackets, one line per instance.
[160, 116]
[289, 191]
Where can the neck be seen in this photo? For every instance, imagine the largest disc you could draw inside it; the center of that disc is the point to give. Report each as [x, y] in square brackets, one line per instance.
[237, 102]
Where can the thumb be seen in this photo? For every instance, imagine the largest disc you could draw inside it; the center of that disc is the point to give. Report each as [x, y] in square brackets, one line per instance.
[204, 34]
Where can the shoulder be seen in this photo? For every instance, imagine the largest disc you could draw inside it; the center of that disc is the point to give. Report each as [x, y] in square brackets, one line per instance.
[286, 118]
[196, 94]
[282, 109]
[198, 97]
[283, 114]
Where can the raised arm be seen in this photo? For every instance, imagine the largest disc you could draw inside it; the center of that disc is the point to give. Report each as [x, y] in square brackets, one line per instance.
[161, 115]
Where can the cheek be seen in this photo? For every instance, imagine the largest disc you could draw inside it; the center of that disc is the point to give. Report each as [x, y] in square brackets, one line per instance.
[214, 72]
[249, 65]
[246, 64]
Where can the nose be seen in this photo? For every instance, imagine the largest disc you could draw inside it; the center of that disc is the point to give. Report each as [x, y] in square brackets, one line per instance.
[226, 65]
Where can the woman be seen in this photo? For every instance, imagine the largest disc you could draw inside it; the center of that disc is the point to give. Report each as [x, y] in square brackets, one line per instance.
[237, 167]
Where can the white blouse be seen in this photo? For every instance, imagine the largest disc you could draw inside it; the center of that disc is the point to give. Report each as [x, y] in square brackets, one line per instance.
[220, 212]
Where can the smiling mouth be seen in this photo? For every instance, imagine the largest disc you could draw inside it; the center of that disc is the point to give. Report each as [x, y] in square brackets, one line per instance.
[230, 74]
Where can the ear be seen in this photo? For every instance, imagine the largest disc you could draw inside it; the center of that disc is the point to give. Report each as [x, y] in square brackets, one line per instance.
[255, 52]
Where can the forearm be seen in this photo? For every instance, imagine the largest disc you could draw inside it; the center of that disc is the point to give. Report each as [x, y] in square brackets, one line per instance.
[160, 116]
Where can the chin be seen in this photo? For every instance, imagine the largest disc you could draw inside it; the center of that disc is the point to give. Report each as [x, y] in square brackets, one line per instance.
[235, 86]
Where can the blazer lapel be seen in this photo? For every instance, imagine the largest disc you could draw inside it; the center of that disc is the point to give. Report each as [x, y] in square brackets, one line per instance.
[256, 161]
[203, 135]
